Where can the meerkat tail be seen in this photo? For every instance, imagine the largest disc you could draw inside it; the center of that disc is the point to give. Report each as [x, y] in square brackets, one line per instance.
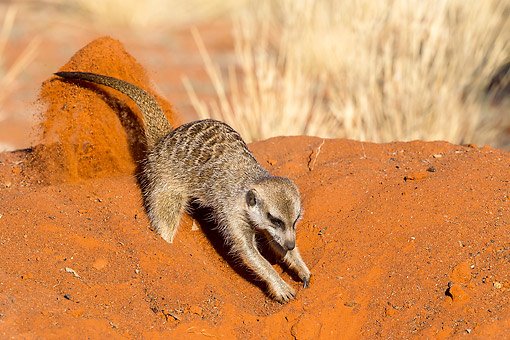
[156, 123]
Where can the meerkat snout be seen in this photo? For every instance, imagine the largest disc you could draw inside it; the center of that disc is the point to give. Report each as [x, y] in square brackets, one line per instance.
[290, 242]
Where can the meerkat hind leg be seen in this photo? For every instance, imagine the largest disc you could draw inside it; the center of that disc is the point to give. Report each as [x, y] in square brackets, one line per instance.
[165, 208]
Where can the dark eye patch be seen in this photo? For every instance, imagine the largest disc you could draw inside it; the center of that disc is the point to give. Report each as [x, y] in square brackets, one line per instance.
[276, 221]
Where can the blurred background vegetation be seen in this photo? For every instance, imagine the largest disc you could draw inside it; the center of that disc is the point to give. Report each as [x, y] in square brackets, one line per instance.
[379, 71]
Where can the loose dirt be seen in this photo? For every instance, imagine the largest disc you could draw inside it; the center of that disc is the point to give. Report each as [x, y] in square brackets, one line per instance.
[87, 131]
[404, 240]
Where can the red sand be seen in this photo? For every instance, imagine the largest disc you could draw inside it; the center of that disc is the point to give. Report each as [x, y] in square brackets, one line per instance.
[82, 135]
[404, 240]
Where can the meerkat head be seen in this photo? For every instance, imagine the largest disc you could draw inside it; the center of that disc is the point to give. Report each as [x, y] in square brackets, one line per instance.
[273, 206]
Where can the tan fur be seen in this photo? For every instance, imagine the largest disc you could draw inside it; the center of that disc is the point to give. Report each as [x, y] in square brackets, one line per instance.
[209, 162]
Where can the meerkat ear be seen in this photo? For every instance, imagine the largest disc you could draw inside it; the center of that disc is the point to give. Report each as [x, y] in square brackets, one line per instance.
[251, 198]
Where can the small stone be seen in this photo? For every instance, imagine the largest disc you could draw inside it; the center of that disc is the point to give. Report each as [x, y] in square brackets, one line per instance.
[72, 271]
[458, 294]
[469, 310]
[416, 176]
[350, 304]
[76, 312]
[27, 276]
[195, 310]
[167, 313]
[390, 310]
[100, 264]
[461, 273]
[497, 285]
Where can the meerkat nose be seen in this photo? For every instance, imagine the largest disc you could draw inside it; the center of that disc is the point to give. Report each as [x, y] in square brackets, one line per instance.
[290, 244]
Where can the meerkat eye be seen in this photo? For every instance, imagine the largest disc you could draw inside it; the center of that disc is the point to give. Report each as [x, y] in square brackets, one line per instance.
[276, 221]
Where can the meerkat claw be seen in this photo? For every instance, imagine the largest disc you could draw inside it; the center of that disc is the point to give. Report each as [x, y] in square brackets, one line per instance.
[306, 282]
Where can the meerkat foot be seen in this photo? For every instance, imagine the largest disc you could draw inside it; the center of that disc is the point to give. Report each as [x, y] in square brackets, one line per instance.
[282, 292]
[167, 233]
[165, 209]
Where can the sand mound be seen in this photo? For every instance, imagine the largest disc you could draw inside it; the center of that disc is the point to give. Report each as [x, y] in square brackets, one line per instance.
[404, 241]
[89, 130]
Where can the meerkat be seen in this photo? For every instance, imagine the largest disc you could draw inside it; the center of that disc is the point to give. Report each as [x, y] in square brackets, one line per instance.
[208, 162]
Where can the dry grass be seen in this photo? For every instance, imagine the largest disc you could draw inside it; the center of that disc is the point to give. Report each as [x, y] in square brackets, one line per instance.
[163, 13]
[8, 73]
[370, 70]
[252, 102]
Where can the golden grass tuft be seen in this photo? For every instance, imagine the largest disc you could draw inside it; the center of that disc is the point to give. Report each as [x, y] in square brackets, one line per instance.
[370, 70]
[164, 13]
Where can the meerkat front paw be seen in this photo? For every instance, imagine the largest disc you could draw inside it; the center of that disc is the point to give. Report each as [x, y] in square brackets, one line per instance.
[282, 292]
